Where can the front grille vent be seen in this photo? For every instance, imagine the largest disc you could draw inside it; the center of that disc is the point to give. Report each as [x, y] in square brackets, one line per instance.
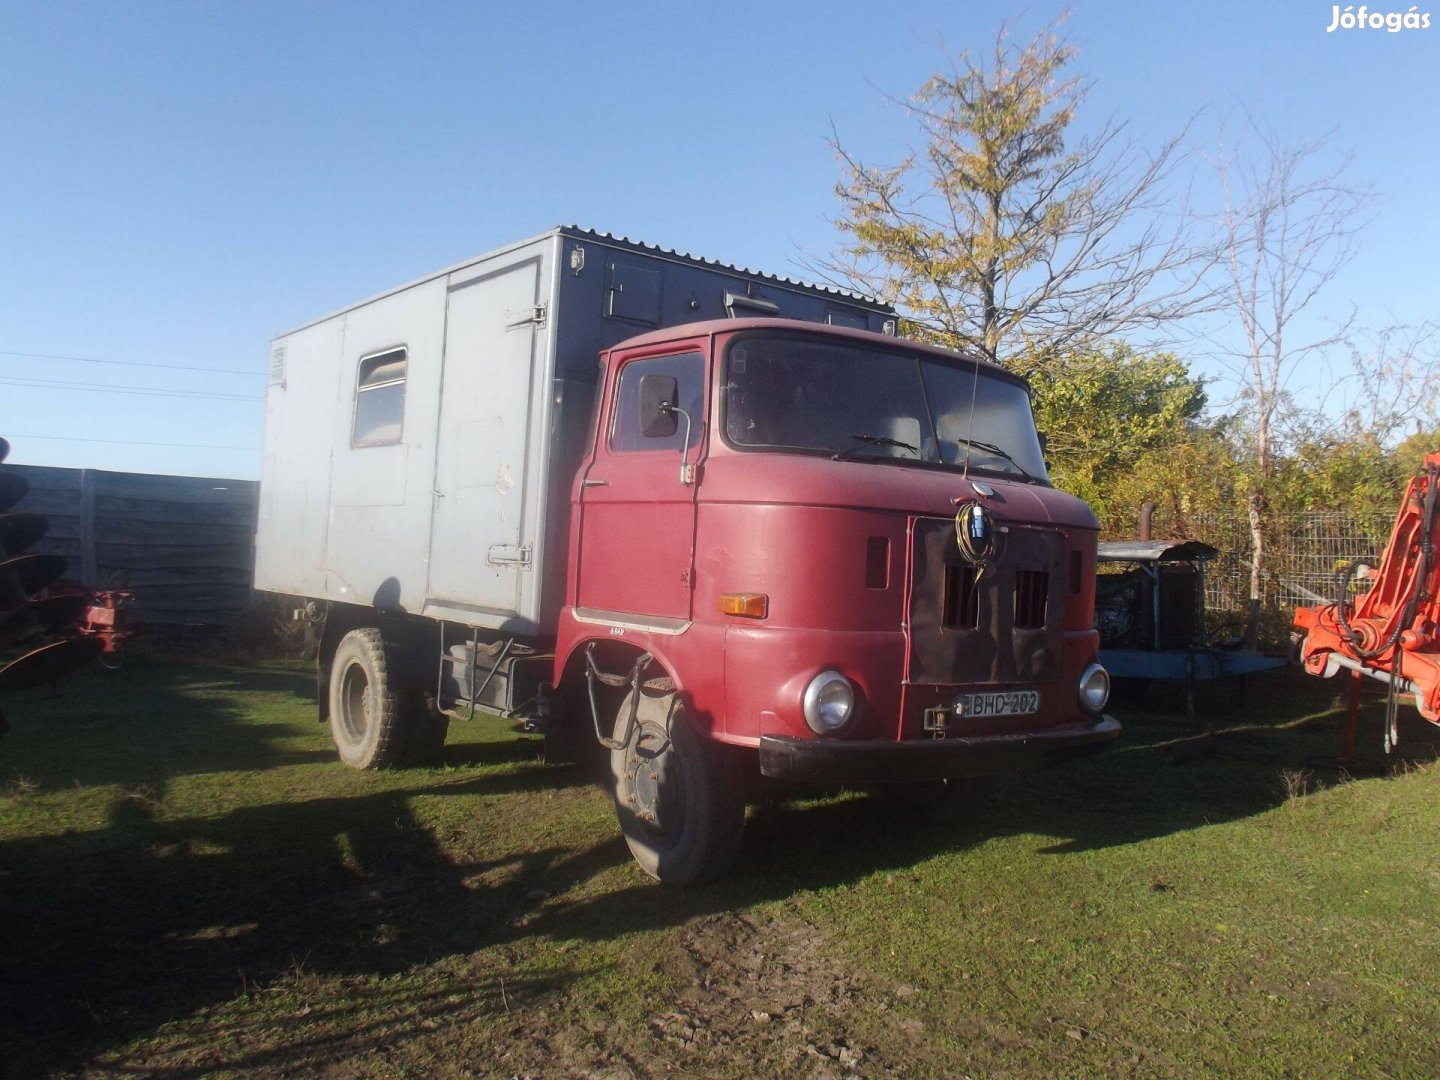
[962, 599]
[1032, 588]
[877, 563]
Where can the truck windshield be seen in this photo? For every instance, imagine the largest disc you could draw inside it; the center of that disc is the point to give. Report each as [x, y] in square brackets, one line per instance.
[791, 393]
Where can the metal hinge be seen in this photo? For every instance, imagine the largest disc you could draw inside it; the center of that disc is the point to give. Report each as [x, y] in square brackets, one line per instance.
[509, 555]
[532, 316]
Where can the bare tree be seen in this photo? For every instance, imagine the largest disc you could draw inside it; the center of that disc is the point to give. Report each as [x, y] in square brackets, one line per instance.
[1290, 222]
[999, 234]
[1395, 375]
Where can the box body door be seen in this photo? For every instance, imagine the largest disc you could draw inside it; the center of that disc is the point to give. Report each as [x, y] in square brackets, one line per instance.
[481, 543]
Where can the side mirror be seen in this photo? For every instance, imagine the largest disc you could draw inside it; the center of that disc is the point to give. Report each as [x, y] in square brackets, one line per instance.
[657, 406]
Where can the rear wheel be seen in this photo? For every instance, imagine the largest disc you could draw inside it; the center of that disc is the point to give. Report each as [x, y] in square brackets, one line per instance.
[367, 715]
[678, 795]
[425, 729]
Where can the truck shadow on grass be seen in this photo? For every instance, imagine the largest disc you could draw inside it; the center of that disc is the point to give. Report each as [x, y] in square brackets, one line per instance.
[146, 922]
[112, 933]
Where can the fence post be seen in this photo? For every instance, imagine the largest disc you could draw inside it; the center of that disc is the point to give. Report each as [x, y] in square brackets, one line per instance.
[89, 569]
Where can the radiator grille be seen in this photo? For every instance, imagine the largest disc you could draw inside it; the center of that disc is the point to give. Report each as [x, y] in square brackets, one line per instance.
[962, 599]
[1032, 589]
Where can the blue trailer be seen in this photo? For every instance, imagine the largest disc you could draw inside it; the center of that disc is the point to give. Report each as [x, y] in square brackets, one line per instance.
[1150, 611]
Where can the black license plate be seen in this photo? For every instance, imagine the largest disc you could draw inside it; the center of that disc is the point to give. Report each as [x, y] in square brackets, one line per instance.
[998, 703]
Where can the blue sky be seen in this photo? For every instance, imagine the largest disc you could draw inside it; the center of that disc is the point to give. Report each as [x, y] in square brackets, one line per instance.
[179, 182]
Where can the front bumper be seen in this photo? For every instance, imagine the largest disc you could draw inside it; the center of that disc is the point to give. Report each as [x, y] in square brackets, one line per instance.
[879, 761]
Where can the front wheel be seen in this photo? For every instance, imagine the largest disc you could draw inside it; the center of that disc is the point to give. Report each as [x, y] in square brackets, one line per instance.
[678, 795]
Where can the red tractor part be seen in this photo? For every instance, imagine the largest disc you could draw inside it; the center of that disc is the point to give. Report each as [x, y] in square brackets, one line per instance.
[1389, 633]
[109, 620]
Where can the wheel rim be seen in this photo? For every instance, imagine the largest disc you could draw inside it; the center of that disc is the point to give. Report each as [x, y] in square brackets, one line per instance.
[655, 783]
[355, 703]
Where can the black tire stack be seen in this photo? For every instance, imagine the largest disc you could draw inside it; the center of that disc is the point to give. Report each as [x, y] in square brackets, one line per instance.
[38, 639]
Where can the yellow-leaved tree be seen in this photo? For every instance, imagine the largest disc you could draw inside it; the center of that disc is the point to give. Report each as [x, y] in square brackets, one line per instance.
[1002, 231]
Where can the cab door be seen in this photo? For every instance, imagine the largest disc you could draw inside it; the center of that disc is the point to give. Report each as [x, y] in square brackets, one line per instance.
[637, 516]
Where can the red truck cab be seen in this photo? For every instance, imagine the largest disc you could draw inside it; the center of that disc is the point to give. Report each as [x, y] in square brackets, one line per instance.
[824, 555]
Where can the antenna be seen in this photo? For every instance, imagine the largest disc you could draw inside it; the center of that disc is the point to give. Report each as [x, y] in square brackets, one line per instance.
[970, 423]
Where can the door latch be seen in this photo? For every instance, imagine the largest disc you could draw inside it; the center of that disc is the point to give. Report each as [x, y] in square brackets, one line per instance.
[515, 318]
[509, 555]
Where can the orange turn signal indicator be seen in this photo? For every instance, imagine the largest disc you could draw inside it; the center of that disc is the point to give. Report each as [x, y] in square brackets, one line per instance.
[749, 605]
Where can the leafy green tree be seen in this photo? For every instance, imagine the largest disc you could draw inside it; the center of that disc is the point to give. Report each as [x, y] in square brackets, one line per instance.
[1002, 232]
[1192, 479]
[1104, 408]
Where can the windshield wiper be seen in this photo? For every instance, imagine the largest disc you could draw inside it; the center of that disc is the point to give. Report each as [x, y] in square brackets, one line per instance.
[874, 440]
[991, 448]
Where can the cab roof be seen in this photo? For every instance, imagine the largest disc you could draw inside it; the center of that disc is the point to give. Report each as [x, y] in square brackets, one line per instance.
[711, 327]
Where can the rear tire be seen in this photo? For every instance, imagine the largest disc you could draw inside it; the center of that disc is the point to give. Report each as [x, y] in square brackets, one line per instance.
[426, 727]
[678, 795]
[368, 717]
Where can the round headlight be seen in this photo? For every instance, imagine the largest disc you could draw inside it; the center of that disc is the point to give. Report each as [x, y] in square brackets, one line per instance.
[1094, 688]
[829, 702]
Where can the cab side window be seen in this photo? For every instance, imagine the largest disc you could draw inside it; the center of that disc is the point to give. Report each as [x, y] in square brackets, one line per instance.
[688, 371]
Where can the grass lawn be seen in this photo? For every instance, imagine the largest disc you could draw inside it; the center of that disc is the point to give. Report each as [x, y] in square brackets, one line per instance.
[191, 884]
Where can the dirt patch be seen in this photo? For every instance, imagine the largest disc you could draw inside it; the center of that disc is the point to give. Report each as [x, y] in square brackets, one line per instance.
[768, 997]
[773, 990]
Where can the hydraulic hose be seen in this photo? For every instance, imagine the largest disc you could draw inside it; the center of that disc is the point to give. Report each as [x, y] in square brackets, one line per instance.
[1412, 602]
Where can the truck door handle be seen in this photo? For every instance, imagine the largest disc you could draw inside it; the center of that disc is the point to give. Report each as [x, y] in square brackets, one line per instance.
[594, 483]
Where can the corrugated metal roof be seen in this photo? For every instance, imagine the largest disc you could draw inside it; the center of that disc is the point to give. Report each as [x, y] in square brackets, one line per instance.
[580, 232]
[1154, 551]
[716, 264]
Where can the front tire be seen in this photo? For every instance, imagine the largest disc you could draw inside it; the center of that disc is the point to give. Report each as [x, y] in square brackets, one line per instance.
[678, 795]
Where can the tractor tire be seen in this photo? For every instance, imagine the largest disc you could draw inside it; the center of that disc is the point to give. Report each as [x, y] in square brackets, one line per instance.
[679, 796]
[369, 720]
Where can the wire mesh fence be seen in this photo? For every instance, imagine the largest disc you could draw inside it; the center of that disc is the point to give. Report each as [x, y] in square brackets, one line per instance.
[1305, 554]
